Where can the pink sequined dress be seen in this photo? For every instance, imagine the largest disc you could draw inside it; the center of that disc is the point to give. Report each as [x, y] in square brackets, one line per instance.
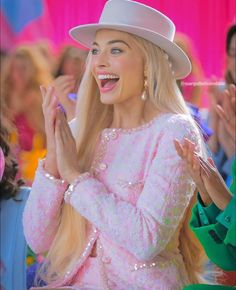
[134, 197]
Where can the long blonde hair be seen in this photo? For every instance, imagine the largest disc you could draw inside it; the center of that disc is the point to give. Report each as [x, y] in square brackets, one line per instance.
[92, 117]
[39, 75]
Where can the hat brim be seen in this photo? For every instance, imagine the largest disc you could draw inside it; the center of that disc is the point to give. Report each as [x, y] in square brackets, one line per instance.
[85, 35]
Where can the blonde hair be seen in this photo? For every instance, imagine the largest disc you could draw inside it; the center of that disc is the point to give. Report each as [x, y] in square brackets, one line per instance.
[40, 75]
[69, 51]
[92, 117]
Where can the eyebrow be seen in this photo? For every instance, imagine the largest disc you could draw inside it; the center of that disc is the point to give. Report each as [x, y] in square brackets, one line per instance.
[114, 41]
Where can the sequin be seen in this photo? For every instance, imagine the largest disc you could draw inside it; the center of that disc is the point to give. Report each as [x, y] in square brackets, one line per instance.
[103, 166]
[71, 188]
[54, 179]
[86, 251]
[129, 184]
[160, 265]
[165, 195]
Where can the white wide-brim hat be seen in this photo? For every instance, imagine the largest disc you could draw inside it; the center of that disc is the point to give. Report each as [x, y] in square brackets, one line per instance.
[140, 20]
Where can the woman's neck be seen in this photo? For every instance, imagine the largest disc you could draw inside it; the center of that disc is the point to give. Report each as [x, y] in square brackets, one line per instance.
[127, 117]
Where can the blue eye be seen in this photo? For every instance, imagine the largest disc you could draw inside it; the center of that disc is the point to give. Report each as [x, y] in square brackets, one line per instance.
[94, 51]
[116, 50]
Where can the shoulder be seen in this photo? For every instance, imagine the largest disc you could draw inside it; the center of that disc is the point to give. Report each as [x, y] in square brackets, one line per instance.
[179, 120]
[179, 125]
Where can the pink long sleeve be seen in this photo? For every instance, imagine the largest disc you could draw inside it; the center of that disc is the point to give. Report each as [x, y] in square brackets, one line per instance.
[144, 228]
[41, 214]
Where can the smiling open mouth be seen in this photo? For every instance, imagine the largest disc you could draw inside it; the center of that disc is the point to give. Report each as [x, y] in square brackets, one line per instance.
[108, 81]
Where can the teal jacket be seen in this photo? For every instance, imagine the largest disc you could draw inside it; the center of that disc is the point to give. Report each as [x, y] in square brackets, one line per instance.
[216, 230]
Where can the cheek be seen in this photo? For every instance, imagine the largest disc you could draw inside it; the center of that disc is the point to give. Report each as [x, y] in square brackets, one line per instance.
[134, 74]
[92, 67]
[231, 64]
[130, 64]
[18, 76]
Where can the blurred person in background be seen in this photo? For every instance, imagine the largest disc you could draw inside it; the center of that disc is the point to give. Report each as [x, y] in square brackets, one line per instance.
[13, 247]
[46, 49]
[25, 70]
[69, 71]
[220, 143]
[214, 217]
[3, 57]
[191, 93]
[230, 74]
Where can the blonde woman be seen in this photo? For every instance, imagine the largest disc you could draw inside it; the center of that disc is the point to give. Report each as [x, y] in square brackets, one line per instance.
[109, 206]
[192, 94]
[24, 72]
[21, 76]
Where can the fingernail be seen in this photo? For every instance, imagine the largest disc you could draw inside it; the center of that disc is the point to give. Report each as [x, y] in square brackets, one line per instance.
[61, 108]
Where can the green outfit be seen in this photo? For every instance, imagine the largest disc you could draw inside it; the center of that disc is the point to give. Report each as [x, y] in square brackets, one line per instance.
[208, 287]
[216, 231]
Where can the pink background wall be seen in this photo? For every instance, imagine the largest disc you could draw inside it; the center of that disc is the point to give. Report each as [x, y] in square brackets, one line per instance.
[204, 21]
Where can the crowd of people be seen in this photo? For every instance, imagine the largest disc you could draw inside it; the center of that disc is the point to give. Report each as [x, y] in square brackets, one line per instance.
[110, 177]
[24, 70]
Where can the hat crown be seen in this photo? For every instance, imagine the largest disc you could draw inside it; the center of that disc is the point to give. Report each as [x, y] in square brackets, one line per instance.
[139, 20]
[139, 15]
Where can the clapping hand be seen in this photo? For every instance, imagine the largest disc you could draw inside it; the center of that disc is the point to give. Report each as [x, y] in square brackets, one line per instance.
[187, 151]
[214, 184]
[64, 85]
[67, 160]
[50, 103]
[204, 173]
[227, 111]
[61, 158]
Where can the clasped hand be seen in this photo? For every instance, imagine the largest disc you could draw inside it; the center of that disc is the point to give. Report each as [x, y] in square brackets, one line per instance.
[208, 180]
[61, 160]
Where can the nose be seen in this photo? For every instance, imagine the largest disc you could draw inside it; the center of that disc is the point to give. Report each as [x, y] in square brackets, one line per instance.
[102, 60]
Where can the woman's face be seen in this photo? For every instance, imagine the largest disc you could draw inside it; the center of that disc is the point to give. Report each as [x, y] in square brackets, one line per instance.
[21, 72]
[231, 57]
[73, 63]
[117, 66]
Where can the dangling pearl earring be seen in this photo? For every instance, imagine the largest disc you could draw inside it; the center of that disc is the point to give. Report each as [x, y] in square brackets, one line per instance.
[144, 94]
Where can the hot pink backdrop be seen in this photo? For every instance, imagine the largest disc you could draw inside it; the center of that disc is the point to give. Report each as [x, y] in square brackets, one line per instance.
[205, 21]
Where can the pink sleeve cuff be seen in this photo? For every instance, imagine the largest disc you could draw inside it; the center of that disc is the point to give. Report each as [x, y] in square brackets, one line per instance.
[71, 188]
[50, 177]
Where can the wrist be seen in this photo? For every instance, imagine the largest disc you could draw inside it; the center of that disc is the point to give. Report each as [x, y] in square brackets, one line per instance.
[55, 179]
[71, 177]
[205, 197]
[49, 166]
[79, 178]
[223, 202]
